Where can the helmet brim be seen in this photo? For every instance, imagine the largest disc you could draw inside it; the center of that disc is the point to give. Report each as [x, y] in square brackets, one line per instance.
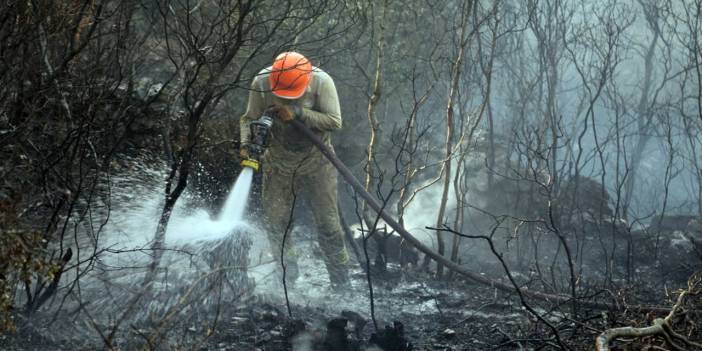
[290, 94]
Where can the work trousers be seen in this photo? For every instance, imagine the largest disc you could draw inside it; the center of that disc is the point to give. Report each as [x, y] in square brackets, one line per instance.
[318, 190]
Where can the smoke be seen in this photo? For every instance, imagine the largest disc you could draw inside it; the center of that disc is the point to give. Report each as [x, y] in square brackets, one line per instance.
[423, 211]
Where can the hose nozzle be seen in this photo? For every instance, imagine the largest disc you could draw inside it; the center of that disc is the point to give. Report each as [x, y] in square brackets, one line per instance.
[253, 164]
[258, 141]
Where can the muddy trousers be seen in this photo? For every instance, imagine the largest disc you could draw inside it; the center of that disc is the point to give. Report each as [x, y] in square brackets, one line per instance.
[319, 191]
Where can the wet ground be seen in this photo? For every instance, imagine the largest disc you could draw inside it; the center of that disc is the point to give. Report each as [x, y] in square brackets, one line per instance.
[436, 316]
[419, 316]
[413, 311]
[432, 315]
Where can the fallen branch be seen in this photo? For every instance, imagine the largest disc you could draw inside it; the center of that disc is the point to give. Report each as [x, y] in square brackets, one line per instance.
[661, 327]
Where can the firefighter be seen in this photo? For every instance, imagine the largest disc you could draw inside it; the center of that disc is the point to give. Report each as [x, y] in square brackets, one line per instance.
[293, 168]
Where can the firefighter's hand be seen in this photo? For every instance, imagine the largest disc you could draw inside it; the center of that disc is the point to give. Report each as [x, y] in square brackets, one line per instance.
[244, 152]
[285, 113]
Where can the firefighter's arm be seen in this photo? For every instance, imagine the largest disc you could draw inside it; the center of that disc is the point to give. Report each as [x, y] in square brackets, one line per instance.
[327, 115]
[254, 109]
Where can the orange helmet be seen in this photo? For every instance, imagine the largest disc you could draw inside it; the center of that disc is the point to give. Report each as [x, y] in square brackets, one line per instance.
[290, 75]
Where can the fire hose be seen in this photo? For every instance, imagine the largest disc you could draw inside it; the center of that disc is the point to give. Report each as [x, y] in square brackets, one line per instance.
[476, 277]
[258, 127]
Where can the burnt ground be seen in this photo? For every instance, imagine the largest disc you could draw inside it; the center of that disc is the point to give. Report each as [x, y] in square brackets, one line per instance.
[411, 315]
[413, 311]
[454, 316]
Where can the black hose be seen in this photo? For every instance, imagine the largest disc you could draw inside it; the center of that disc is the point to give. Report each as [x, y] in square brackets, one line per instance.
[377, 207]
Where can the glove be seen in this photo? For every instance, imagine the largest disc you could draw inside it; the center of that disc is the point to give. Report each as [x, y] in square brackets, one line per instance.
[286, 113]
[244, 152]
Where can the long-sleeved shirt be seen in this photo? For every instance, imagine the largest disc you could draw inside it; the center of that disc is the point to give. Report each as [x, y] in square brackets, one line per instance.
[289, 150]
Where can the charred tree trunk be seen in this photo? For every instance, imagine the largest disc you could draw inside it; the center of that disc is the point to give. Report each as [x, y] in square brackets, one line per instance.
[456, 71]
[643, 109]
[372, 105]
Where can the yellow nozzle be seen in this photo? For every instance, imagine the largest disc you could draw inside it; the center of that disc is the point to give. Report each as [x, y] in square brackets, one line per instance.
[253, 164]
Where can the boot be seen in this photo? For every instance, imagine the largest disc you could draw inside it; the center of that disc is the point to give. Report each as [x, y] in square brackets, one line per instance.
[339, 279]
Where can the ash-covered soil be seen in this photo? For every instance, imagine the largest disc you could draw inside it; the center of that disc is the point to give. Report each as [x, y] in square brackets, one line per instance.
[412, 309]
[412, 312]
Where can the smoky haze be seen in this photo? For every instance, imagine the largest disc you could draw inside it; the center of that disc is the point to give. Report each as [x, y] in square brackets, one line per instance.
[548, 150]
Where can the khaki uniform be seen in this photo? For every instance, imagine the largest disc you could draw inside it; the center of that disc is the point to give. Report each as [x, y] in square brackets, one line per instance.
[295, 170]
